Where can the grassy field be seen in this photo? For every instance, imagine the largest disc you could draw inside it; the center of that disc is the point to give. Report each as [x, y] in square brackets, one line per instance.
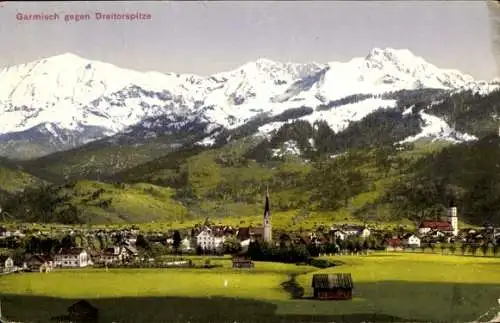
[396, 287]
[421, 287]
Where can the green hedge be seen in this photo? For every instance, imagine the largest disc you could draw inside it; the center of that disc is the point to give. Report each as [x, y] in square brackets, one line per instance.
[322, 263]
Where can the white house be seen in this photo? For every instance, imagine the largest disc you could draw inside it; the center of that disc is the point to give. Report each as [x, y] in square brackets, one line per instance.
[413, 241]
[131, 241]
[117, 254]
[6, 263]
[186, 243]
[72, 258]
[357, 230]
[365, 233]
[8, 233]
[206, 239]
[219, 240]
[338, 234]
[352, 230]
[437, 234]
[245, 243]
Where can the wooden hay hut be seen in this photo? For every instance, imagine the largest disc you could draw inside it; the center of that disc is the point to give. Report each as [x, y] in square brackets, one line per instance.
[242, 262]
[83, 311]
[332, 286]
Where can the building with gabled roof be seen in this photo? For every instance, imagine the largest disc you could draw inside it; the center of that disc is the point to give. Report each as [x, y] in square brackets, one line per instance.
[332, 286]
[449, 226]
[72, 258]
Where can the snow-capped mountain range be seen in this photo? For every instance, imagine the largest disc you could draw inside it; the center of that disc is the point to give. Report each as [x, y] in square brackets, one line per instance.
[67, 100]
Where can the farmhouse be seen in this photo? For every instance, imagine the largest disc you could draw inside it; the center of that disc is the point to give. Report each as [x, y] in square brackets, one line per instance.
[332, 286]
[211, 239]
[219, 238]
[394, 244]
[449, 226]
[357, 230]
[320, 241]
[412, 241]
[116, 254]
[428, 226]
[339, 234]
[6, 264]
[38, 262]
[72, 258]
[206, 239]
[186, 244]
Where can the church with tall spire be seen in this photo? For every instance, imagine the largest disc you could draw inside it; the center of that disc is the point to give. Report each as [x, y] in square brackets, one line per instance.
[268, 232]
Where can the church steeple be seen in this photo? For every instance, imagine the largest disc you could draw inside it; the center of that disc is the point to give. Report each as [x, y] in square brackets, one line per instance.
[267, 219]
[453, 217]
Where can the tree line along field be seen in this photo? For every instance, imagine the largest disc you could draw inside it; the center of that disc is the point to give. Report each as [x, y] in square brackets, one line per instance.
[387, 287]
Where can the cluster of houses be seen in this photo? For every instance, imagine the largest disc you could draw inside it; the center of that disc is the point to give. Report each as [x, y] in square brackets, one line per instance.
[211, 237]
[68, 258]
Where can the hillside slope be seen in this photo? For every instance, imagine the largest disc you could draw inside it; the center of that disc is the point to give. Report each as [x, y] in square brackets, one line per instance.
[379, 185]
[13, 179]
[100, 159]
[465, 174]
[226, 186]
[96, 203]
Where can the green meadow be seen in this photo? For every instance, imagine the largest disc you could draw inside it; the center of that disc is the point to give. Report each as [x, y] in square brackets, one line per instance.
[388, 287]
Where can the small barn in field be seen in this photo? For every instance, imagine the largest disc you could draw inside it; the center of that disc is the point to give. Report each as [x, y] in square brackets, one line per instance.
[332, 286]
[242, 262]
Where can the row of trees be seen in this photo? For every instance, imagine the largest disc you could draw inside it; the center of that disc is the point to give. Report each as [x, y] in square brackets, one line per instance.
[289, 252]
[463, 248]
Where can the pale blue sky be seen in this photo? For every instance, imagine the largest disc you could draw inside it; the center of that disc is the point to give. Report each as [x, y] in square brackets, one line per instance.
[207, 37]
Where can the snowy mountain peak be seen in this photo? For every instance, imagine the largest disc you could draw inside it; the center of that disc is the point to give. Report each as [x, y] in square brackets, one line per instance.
[265, 62]
[403, 59]
[76, 94]
[390, 53]
[68, 57]
[63, 61]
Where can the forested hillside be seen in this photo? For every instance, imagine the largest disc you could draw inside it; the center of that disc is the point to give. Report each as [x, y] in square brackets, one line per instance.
[470, 112]
[466, 175]
[380, 184]
[315, 175]
[222, 184]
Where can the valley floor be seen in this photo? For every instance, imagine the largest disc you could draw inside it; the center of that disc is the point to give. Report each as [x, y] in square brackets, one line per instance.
[387, 287]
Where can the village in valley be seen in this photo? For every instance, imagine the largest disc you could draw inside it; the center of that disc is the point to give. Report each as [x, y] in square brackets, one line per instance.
[322, 256]
[38, 251]
[78, 248]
